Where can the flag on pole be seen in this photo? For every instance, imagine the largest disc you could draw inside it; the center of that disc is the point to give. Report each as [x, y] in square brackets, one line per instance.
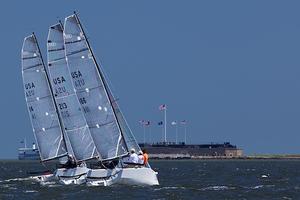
[162, 107]
[183, 122]
[174, 123]
[160, 123]
[145, 122]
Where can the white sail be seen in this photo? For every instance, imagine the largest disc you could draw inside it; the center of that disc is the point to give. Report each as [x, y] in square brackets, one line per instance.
[73, 119]
[42, 111]
[92, 93]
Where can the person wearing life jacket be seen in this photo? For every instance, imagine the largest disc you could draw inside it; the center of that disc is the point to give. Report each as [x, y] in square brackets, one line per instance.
[146, 157]
[141, 158]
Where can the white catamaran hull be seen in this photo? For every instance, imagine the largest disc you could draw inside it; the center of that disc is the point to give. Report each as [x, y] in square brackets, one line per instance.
[139, 176]
[103, 177]
[71, 176]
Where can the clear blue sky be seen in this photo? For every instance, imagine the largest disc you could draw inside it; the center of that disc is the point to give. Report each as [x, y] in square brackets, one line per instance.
[231, 68]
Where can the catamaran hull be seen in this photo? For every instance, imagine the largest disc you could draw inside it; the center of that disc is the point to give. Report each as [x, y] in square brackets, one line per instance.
[71, 176]
[139, 176]
[103, 177]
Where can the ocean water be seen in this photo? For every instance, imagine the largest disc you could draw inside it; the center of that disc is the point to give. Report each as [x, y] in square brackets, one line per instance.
[179, 179]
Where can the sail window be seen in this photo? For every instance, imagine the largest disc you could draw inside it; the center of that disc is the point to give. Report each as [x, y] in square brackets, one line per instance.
[97, 125]
[38, 98]
[46, 113]
[99, 108]
[78, 38]
[82, 57]
[37, 70]
[87, 89]
[105, 109]
[34, 54]
[44, 129]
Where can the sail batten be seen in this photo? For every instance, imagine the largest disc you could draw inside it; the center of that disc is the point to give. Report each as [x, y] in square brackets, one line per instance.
[92, 93]
[75, 124]
[45, 122]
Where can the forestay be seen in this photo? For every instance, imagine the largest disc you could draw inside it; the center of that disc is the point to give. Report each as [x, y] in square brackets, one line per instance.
[76, 127]
[91, 92]
[44, 119]
[127, 133]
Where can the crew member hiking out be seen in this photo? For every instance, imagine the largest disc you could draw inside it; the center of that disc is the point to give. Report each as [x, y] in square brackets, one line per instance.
[146, 157]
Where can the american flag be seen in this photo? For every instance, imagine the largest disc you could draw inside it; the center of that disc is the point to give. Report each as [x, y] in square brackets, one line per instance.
[162, 107]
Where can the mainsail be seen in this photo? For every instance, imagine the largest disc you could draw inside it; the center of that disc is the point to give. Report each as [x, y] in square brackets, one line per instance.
[75, 124]
[41, 107]
[92, 93]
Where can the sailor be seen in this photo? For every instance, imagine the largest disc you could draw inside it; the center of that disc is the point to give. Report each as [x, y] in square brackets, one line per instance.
[146, 157]
[133, 158]
[141, 158]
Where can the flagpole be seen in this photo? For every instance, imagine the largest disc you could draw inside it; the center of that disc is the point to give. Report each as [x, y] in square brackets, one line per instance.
[150, 135]
[144, 134]
[185, 134]
[166, 124]
[176, 133]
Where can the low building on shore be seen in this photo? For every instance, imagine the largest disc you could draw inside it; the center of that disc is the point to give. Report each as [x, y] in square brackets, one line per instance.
[196, 151]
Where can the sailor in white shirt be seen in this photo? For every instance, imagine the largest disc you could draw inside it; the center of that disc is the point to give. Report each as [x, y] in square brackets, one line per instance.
[141, 157]
[133, 158]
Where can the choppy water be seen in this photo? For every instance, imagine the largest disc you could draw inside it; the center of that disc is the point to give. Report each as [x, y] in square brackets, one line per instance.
[189, 179]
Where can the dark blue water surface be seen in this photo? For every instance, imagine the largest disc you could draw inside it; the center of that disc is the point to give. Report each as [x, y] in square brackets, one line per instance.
[183, 179]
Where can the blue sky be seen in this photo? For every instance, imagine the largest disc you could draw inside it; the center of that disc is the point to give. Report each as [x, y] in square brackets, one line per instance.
[230, 68]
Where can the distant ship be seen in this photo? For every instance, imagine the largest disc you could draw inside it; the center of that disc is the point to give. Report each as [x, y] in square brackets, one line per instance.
[27, 153]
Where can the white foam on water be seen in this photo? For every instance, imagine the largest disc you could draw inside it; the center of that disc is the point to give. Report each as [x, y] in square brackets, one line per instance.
[217, 188]
[17, 179]
[169, 188]
[30, 191]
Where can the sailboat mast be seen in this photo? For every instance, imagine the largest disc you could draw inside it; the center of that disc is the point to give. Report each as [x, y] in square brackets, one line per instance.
[102, 79]
[51, 92]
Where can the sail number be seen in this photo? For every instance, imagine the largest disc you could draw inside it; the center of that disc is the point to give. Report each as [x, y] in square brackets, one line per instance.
[79, 81]
[29, 87]
[64, 112]
[82, 101]
[62, 106]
